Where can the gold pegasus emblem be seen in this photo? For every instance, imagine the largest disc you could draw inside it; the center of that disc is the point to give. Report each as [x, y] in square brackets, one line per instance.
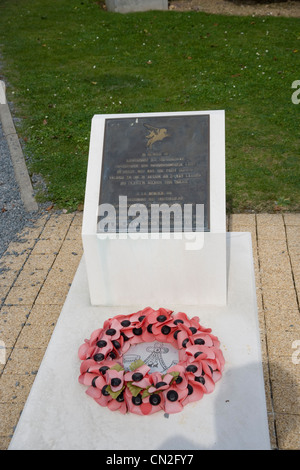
[156, 134]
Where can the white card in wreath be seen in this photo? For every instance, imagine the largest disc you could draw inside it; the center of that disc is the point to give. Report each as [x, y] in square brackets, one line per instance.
[158, 356]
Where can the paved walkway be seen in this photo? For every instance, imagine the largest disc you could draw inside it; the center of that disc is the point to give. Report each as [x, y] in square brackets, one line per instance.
[37, 271]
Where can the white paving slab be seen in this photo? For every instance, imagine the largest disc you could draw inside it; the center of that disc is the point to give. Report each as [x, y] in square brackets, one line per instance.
[59, 415]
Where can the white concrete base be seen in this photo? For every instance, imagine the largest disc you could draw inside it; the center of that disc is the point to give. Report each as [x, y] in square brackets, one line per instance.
[127, 6]
[58, 414]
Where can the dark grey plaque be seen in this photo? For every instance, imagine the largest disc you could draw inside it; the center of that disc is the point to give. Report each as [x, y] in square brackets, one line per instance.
[156, 160]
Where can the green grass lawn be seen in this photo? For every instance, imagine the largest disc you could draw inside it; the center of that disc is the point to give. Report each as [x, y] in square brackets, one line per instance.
[66, 60]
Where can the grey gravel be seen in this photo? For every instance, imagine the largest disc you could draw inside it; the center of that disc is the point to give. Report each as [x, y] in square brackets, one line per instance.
[13, 216]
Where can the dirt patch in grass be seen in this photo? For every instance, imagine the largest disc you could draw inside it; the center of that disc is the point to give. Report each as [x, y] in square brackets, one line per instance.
[237, 7]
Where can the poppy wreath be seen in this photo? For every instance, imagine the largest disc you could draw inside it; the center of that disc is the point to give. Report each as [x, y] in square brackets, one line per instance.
[138, 391]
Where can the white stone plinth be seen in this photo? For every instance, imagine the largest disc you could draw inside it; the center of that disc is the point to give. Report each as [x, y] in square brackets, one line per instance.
[146, 271]
[128, 6]
[59, 415]
[149, 268]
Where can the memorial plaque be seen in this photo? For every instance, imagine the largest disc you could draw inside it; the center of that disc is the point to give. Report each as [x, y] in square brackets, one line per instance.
[156, 160]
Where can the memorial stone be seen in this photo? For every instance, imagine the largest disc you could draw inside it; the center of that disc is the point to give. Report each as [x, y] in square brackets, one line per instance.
[128, 6]
[155, 201]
